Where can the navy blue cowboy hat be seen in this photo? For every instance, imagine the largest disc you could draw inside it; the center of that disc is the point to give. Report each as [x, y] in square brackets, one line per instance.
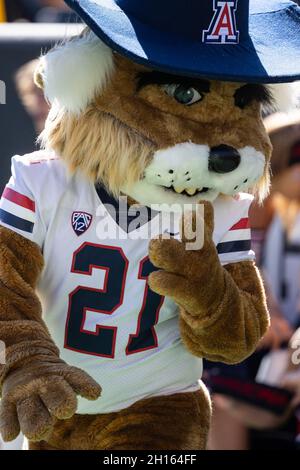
[218, 39]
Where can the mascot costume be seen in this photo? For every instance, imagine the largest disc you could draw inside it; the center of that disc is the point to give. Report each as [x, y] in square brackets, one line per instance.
[156, 103]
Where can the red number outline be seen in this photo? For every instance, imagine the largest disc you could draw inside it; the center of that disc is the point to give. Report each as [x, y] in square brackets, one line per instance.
[141, 312]
[102, 291]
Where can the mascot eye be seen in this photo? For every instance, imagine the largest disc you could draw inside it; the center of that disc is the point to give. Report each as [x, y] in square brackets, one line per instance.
[184, 94]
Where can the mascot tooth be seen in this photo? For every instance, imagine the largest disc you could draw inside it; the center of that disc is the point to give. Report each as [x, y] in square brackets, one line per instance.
[106, 322]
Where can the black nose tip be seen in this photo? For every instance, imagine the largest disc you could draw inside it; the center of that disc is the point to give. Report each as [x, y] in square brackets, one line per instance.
[223, 159]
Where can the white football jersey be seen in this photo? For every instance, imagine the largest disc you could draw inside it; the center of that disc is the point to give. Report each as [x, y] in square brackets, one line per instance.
[96, 302]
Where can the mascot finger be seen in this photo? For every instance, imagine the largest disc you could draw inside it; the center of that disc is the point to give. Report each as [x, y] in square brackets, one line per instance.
[174, 256]
[172, 285]
[83, 384]
[208, 216]
[167, 254]
[59, 398]
[197, 223]
[35, 420]
[196, 231]
[9, 423]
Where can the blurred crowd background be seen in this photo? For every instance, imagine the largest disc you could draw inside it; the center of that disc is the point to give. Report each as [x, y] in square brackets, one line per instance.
[256, 403]
[37, 11]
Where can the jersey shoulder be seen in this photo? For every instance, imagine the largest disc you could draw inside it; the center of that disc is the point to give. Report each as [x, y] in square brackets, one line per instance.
[39, 167]
[232, 229]
[230, 211]
[41, 172]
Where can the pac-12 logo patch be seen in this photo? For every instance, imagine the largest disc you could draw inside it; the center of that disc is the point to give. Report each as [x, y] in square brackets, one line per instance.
[81, 222]
[222, 29]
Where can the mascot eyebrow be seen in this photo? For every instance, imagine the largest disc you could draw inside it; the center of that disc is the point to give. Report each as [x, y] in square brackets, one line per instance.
[160, 78]
[252, 92]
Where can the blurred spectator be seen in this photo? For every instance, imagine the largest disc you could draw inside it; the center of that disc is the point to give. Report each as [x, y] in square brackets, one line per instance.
[257, 418]
[281, 252]
[55, 11]
[291, 379]
[277, 244]
[31, 96]
[39, 11]
[21, 9]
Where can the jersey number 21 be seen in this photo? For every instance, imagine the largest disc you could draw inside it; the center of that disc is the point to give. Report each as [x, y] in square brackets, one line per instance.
[106, 301]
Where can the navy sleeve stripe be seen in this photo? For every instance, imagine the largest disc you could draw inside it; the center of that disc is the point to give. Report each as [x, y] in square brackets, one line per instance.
[16, 222]
[234, 246]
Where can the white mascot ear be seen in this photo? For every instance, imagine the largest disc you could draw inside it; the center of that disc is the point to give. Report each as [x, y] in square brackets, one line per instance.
[285, 96]
[72, 73]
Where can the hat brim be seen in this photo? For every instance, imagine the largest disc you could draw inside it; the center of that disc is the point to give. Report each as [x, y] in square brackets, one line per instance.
[272, 54]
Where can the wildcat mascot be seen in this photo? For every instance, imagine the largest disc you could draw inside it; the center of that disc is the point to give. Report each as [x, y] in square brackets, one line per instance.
[156, 103]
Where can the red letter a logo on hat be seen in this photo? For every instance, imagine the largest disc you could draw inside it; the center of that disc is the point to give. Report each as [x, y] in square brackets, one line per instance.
[222, 29]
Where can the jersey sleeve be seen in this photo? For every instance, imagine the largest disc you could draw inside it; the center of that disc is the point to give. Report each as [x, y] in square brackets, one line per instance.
[235, 245]
[19, 208]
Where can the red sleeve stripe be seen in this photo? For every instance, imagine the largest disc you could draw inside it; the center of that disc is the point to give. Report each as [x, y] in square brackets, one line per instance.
[241, 224]
[19, 199]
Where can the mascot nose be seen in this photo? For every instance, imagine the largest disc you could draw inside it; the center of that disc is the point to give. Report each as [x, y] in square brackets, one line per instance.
[223, 159]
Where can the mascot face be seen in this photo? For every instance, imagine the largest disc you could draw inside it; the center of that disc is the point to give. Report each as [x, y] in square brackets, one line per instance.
[207, 136]
[162, 138]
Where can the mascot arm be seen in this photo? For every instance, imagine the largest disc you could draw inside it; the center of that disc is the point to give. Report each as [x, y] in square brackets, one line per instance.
[223, 312]
[35, 384]
[232, 329]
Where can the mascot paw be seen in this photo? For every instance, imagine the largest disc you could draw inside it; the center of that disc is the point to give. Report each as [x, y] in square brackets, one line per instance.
[35, 395]
[182, 266]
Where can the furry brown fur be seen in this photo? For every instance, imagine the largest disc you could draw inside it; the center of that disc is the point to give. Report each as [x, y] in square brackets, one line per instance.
[77, 138]
[178, 421]
[223, 310]
[125, 121]
[34, 379]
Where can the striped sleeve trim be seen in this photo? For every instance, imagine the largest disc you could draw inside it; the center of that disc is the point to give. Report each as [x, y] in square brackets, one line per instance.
[18, 199]
[237, 239]
[17, 210]
[241, 224]
[234, 246]
[16, 222]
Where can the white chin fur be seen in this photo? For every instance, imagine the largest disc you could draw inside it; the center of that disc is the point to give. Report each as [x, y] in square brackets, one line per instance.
[186, 166]
[75, 71]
